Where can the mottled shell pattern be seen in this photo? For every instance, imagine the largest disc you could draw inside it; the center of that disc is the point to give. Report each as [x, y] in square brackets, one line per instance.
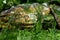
[23, 13]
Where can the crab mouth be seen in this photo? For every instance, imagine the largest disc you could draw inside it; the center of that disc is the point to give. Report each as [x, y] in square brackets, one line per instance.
[26, 24]
[21, 25]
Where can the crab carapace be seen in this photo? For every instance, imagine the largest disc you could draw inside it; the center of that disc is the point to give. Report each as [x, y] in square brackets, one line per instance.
[24, 15]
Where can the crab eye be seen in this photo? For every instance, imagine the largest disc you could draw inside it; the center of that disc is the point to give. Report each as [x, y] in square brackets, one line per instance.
[45, 4]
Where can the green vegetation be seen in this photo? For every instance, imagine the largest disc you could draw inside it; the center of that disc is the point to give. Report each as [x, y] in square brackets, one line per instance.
[36, 33]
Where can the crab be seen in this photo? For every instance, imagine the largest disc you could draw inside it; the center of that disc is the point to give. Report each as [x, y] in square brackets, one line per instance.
[24, 14]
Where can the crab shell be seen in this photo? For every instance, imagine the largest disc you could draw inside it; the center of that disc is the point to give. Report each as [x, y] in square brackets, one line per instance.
[23, 14]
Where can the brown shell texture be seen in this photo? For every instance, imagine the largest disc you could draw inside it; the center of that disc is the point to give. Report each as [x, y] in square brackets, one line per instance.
[24, 14]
